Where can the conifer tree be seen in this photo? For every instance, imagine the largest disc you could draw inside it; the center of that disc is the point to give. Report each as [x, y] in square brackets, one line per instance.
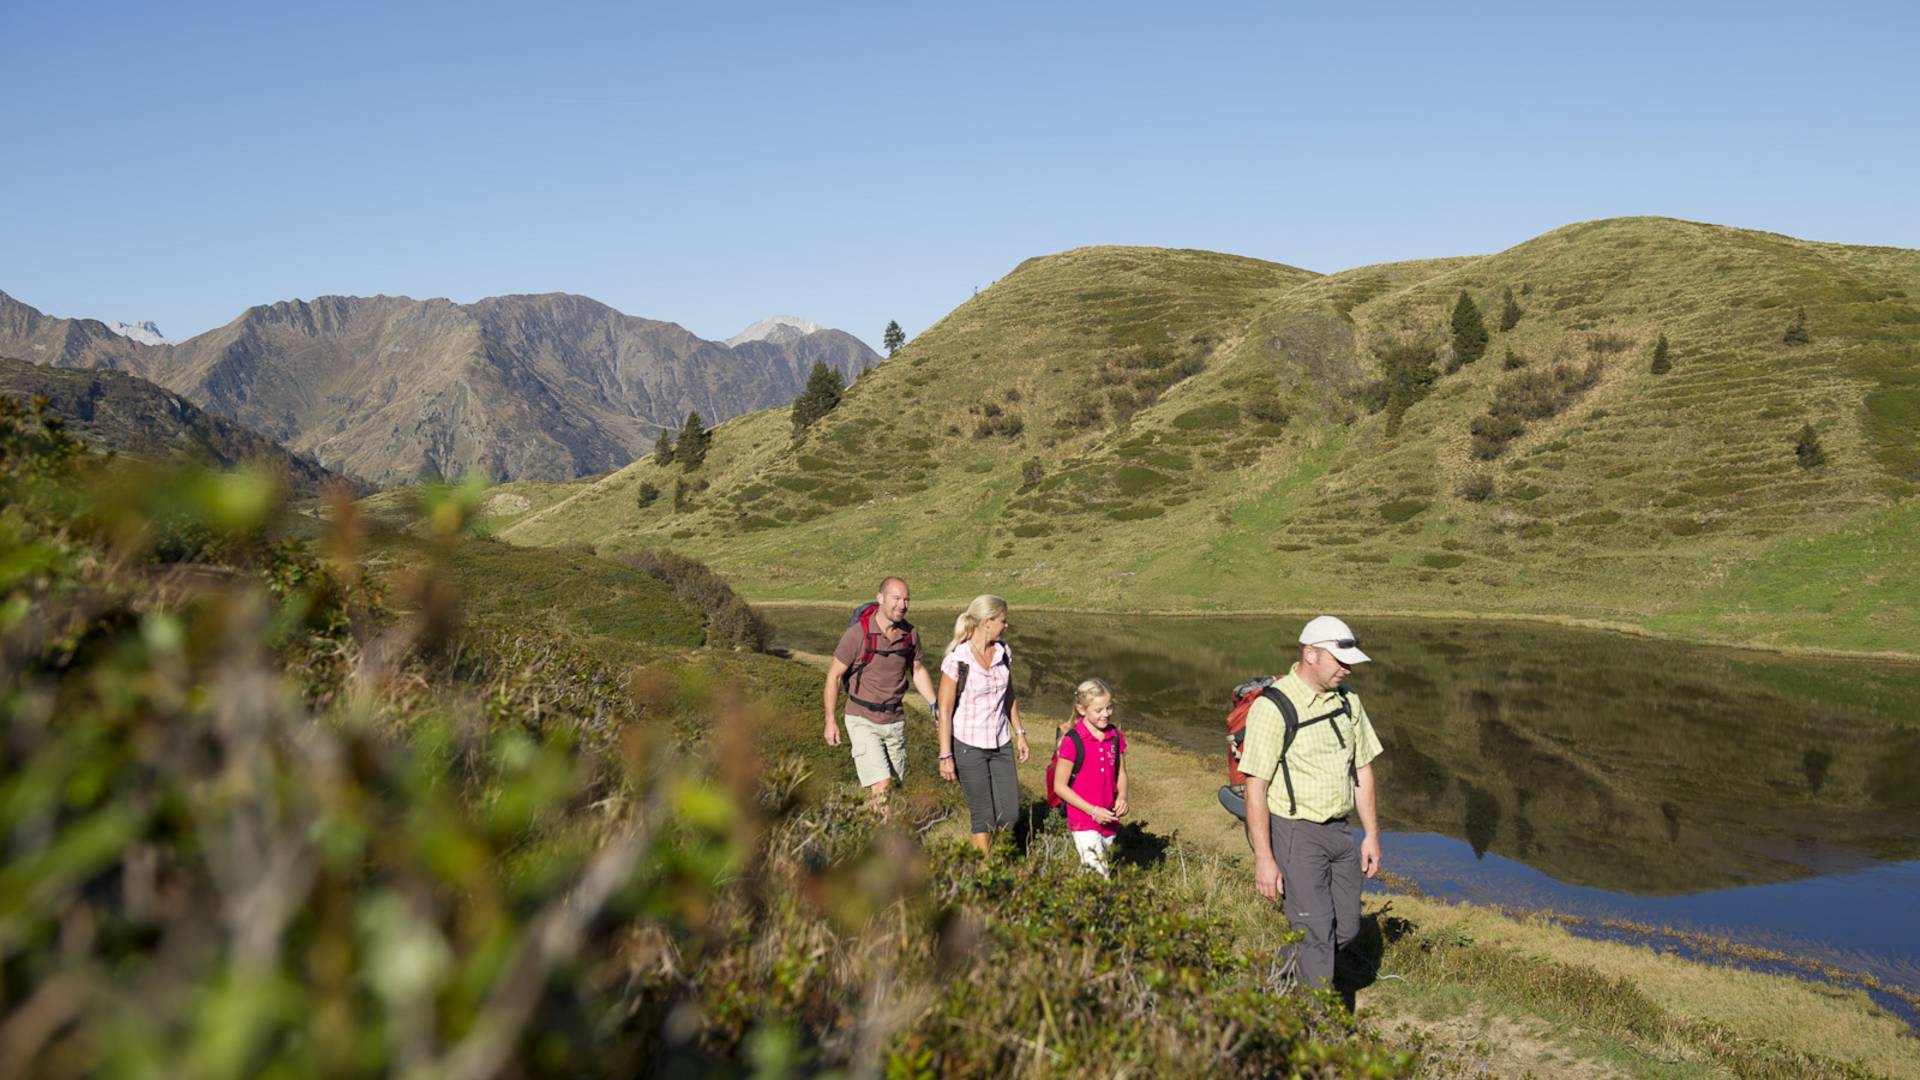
[1807, 448]
[1469, 332]
[647, 495]
[1509, 311]
[663, 448]
[894, 337]
[1661, 363]
[694, 440]
[1408, 372]
[820, 397]
[1797, 329]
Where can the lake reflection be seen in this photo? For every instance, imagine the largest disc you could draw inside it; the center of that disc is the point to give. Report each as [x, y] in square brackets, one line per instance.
[1601, 760]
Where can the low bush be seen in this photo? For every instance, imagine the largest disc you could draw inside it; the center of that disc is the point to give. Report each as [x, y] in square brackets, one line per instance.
[1269, 409]
[731, 622]
[1796, 333]
[1475, 487]
[995, 425]
[1807, 449]
[1529, 395]
[646, 495]
[1408, 369]
[1031, 474]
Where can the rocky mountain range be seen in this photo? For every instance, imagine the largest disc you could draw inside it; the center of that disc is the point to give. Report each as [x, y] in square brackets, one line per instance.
[125, 414]
[394, 390]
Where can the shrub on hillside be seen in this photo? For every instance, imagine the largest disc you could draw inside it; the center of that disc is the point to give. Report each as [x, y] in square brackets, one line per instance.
[1084, 414]
[1661, 362]
[1807, 449]
[1031, 474]
[646, 495]
[1370, 395]
[663, 448]
[1475, 487]
[731, 622]
[1269, 409]
[1509, 310]
[1797, 329]
[1408, 369]
[1512, 361]
[1529, 395]
[1006, 426]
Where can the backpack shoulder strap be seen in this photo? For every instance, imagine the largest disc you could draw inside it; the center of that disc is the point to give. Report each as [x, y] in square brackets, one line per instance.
[1292, 717]
[1079, 753]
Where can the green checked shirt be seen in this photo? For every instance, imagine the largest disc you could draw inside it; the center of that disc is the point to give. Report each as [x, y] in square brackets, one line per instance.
[1322, 785]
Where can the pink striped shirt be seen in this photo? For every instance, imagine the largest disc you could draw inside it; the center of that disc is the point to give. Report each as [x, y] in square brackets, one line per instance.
[980, 710]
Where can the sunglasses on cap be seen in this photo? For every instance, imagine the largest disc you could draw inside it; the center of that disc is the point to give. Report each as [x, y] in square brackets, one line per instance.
[1338, 643]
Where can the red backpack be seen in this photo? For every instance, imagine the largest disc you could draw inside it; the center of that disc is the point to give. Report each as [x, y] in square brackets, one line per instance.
[870, 648]
[1233, 794]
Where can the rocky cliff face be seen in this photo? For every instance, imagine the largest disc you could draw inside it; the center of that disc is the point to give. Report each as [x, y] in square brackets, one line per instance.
[112, 410]
[395, 390]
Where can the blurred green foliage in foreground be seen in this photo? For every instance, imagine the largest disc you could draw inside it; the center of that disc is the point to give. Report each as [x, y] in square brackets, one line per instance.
[266, 815]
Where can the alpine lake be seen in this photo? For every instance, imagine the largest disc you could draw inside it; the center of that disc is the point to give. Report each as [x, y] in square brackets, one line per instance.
[1646, 789]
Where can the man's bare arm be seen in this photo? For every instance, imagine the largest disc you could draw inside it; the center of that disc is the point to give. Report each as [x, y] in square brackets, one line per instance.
[830, 697]
[1266, 871]
[924, 683]
[1364, 803]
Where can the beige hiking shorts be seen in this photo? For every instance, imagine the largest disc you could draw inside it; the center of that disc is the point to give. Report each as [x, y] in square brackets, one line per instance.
[879, 750]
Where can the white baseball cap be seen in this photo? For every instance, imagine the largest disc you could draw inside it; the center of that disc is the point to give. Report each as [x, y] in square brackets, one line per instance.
[1329, 633]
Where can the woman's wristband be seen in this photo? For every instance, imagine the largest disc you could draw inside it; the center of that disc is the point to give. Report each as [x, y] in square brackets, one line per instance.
[946, 757]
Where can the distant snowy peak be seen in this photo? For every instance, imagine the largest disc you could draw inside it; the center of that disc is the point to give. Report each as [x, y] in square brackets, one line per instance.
[145, 332]
[779, 329]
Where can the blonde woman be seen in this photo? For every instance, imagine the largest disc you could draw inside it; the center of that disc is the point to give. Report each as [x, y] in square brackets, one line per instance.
[980, 717]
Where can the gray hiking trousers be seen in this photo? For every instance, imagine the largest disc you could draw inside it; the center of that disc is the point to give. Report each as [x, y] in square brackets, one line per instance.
[991, 784]
[1320, 871]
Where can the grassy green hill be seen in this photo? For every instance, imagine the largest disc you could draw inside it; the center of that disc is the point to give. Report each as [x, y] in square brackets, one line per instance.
[1143, 429]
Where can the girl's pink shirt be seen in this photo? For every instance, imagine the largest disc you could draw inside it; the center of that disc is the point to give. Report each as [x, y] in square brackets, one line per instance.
[1099, 779]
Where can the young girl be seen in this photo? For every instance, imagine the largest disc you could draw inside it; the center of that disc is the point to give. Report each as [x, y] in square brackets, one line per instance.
[980, 731]
[1095, 792]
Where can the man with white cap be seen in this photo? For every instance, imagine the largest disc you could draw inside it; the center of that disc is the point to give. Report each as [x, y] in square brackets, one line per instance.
[1308, 775]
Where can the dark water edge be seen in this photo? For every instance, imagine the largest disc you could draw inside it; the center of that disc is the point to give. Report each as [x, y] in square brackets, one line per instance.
[1761, 800]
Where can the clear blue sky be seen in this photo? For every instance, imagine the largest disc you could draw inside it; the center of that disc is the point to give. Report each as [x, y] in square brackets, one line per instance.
[710, 164]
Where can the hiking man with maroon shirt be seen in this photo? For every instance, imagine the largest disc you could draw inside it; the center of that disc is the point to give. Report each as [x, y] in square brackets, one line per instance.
[881, 649]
